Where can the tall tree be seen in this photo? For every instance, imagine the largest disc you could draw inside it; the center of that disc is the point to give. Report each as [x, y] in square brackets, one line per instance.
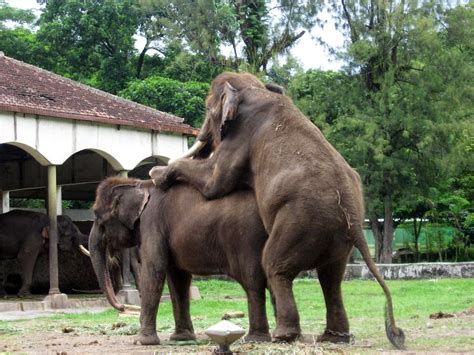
[262, 28]
[407, 109]
[92, 40]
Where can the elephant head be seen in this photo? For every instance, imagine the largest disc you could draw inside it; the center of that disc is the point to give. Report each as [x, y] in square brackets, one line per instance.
[222, 104]
[118, 206]
[69, 235]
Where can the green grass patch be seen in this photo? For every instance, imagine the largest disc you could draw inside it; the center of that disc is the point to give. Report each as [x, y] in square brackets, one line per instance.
[413, 300]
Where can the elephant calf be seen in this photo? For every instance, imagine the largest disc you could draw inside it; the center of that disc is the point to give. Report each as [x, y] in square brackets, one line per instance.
[180, 233]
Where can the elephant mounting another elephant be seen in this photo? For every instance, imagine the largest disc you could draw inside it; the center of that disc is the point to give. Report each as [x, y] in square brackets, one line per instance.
[308, 197]
[23, 234]
[179, 233]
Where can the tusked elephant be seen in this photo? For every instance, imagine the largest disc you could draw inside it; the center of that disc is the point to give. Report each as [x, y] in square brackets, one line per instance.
[180, 233]
[22, 236]
[309, 199]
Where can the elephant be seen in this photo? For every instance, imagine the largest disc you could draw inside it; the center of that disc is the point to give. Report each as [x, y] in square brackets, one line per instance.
[22, 236]
[309, 199]
[179, 233]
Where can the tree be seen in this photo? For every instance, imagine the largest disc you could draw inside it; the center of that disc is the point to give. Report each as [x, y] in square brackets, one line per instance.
[264, 29]
[92, 40]
[182, 99]
[403, 112]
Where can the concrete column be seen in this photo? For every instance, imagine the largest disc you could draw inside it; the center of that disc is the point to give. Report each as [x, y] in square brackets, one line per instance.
[59, 200]
[5, 203]
[55, 298]
[127, 294]
[53, 231]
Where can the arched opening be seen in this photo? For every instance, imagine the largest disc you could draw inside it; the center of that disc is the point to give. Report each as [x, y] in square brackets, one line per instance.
[143, 167]
[23, 185]
[23, 179]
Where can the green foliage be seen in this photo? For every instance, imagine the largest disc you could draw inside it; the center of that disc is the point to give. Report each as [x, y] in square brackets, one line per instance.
[182, 99]
[27, 203]
[92, 41]
[14, 15]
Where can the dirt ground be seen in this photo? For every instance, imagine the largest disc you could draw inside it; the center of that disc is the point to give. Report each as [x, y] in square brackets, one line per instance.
[423, 335]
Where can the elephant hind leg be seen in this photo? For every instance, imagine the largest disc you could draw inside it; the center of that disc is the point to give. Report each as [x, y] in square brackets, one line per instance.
[337, 325]
[179, 282]
[281, 267]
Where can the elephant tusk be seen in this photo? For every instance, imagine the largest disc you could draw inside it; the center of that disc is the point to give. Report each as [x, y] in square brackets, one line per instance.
[84, 251]
[197, 146]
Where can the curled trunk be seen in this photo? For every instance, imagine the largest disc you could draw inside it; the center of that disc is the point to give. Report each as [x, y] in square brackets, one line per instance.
[98, 258]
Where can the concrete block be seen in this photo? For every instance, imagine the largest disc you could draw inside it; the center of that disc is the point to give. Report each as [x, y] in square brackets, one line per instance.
[194, 293]
[56, 301]
[129, 296]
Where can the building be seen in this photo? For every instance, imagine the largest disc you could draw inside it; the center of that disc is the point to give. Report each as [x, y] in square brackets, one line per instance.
[60, 138]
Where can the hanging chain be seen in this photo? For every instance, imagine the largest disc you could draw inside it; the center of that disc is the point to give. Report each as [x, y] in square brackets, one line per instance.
[342, 334]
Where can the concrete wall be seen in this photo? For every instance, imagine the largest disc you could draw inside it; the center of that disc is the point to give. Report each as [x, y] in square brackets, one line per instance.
[52, 141]
[414, 271]
[407, 271]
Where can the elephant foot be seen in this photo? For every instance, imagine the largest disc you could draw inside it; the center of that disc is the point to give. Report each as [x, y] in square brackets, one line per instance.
[258, 338]
[183, 335]
[286, 334]
[146, 339]
[335, 337]
[23, 293]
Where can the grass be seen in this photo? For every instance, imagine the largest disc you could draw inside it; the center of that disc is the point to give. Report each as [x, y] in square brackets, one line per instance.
[413, 300]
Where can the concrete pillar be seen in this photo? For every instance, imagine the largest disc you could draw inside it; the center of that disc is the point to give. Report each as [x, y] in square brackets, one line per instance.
[53, 231]
[55, 298]
[59, 200]
[128, 294]
[5, 203]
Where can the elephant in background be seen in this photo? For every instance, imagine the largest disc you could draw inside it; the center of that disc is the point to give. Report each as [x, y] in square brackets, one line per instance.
[309, 199]
[23, 234]
[179, 233]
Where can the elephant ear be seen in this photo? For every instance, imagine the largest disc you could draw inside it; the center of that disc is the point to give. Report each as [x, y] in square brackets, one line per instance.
[229, 104]
[45, 232]
[129, 202]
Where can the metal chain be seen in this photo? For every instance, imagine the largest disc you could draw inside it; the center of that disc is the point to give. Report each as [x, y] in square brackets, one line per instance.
[342, 334]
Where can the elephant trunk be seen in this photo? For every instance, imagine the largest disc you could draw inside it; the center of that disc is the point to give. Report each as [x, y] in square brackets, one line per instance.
[98, 258]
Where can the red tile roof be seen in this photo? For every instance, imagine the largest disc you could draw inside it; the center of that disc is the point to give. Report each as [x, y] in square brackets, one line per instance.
[28, 89]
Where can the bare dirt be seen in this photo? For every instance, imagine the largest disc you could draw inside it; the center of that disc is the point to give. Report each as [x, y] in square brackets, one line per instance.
[453, 335]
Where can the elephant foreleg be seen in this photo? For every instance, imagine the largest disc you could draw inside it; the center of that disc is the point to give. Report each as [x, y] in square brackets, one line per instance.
[151, 288]
[337, 326]
[213, 177]
[27, 258]
[179, 282]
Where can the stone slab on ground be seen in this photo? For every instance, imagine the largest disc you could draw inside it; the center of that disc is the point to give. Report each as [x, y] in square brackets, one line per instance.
[17, 315]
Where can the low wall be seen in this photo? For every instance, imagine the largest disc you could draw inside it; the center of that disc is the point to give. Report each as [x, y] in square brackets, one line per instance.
[391, 271]
[413, 271]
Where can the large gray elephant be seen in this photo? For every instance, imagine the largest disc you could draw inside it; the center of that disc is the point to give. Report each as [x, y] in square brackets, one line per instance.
[23, 234]
[179, 233]
[309, 198]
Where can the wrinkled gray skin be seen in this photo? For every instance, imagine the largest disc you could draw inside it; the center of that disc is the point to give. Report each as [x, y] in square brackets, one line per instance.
[22, 236]
[179, 233]
[309, 199]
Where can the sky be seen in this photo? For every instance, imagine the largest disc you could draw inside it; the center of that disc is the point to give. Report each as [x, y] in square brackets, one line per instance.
[306, 50]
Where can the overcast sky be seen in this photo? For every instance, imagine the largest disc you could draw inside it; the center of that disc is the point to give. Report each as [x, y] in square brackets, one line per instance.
[307, 51]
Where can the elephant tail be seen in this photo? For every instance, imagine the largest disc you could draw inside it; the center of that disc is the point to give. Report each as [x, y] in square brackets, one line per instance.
[394, 334]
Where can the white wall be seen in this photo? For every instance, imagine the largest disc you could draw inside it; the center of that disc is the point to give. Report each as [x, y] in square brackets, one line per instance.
[52, 141]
